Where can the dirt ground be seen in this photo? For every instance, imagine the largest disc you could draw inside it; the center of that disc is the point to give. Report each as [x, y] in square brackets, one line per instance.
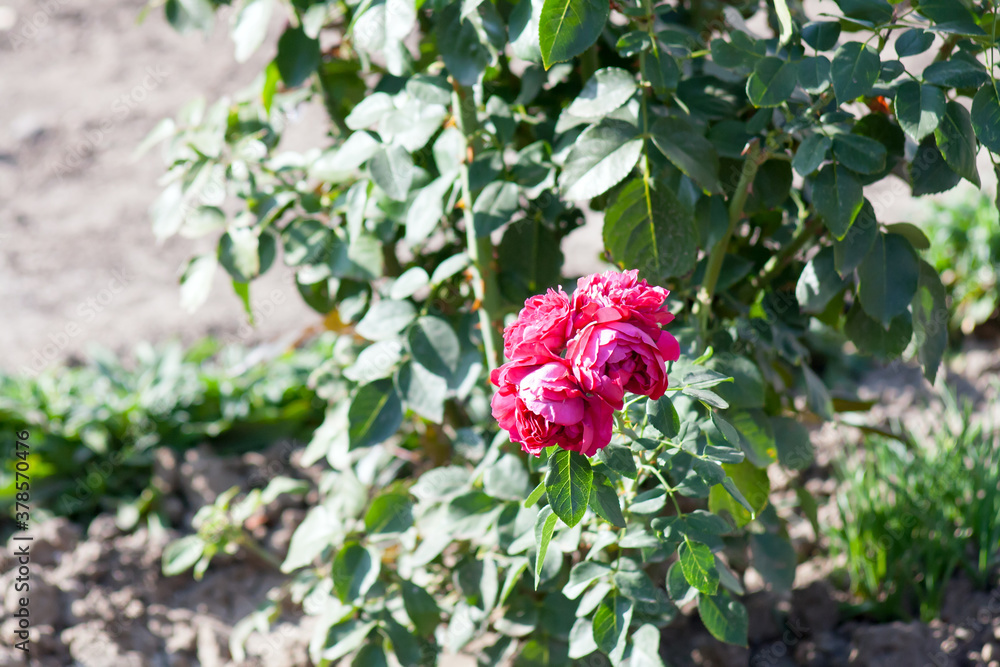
[83, 85]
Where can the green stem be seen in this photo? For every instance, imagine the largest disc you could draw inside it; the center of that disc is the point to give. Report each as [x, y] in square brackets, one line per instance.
[718, 254]
[251, 545]
[484, 284]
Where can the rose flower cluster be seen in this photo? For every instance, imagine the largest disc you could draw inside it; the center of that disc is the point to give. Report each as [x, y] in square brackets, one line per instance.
[573, 358]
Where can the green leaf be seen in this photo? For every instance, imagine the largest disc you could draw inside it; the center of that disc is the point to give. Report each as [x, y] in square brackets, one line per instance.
[602, 156]
[811, 153]
[380, 26]
[838, 196]
[911, 233]
[389, 513]
[619, 458]
[545, 525]
[819, 282]
[872, 11]
[680, 591]
[692, 153]
[955, 73]
[821, 35]
[392, 170]
[774, 558]
[523, 29]
[725, 618]
[648, 502]
[913, 41]
[581, 639]
[605, 91]
[535, 495]
[930, 320]
[859, 153]
[494, 207]
[605, 503]
[507, 479]
[582, 575]
[310, 539]
[756, 436]
[949, 16]
[957, 141]
[185, 15]
[851, 251]
[611, 621]
[409, 283]
[529, 258]
[745, 490]
[919, 109]
[784, 21]
[727, 430]
[435, 345]
[772, 82]
[855, 69]
[306, 241]
[929, 171]
[196, 282]
[298, 56]
[646, 647]
[568, 27]
[376, 413]
[385, 319]
[651, 229]
[354, 571]
[746, 390]
[244, 254]
[427, 209]
[345, 637]
[792, 441]
[888, 277]
[771, 186]
[698, 565]
[662, 71]
[567, 485]
[742, 52]
[986, 116]
[424, 391]
[182, 554]
[250, 27]
[707, 397]
[662, 414]
[370, 655]
[871, 337]
[814, 74]
[460, 43]
[817, 396]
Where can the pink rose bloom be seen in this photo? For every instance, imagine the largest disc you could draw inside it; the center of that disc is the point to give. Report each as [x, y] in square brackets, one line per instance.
[541, 405]
[617, 296]
[611, 358]
[541, 328]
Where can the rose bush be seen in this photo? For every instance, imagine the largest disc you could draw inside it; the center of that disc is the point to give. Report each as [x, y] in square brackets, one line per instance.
[750, 174]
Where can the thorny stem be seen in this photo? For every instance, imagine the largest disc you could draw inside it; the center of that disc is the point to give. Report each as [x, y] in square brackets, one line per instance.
[754, 159]
[484, 284]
